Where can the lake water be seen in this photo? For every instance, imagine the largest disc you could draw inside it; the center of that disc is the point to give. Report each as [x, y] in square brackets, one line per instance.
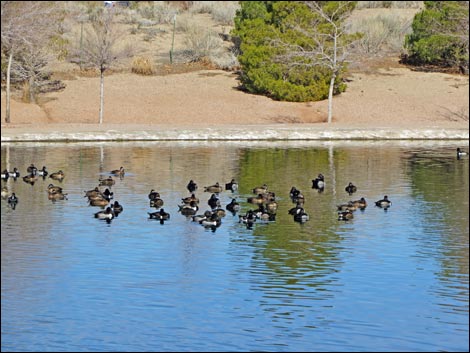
[387, 280]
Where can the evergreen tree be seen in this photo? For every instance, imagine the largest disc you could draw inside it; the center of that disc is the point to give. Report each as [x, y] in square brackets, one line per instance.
[268, 32]
[440, 35]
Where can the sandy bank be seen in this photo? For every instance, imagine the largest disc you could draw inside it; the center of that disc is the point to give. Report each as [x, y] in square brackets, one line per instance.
[394, 103]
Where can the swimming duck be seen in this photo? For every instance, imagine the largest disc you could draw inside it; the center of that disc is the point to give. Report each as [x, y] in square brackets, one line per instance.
[192, 186]
[107, 194]
[93, 192]
[384, 203]
[350, 189]
[42, 172]
[188, 199]
[5, 174]
[260, 189]
[347, 206]
[118, 172]
[57, 175]
[232, 186]
[14, 174]
[249, 218]
[263, 214]
[161, 215]
[32, 169]
[117, 208]
[296, 195]
[301, 216]
[214, 201]
[107, 214]
[361, 203]
[98, 195]
[153, 195]
[157, 203]
[5, 193]
[271, 206]
[345, 215]
[213, 221]
[256, 199]
[460, 153]
[30, 179]
[233, 206]
[189, 210]
[200, 217]
[295, 209]
[99, 202]
[13, 199]
[319, 182]
[294, 192]
[216, 188]
[57, 196]
[51, 189]
[220, 212]
[107, 181]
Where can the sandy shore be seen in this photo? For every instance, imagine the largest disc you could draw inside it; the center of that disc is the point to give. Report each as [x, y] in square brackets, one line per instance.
[392, 103]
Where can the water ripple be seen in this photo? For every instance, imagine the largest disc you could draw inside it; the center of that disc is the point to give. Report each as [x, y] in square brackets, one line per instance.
[393, 279]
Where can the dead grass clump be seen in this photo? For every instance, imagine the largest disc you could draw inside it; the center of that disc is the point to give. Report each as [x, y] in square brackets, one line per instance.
[389, 4]
[222, 12]
[160, 11]
[381, 34]
[143, 66]
[201, 42]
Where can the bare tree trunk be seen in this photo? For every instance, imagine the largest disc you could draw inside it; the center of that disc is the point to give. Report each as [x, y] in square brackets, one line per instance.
[333, 76]
[7, 113]
[101, 95]
[81, 45]
[330, 98]
[32, 96]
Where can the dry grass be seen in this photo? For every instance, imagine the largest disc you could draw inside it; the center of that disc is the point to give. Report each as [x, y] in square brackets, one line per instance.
[143, 66]
[389, 4]
[380, 49]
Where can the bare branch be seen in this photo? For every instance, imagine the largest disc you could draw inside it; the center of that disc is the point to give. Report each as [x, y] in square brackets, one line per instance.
[330, 44]
[101, 47]
[101, 42]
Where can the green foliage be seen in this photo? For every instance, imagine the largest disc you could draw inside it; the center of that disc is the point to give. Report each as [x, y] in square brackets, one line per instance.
[261, 26]
[440, 35]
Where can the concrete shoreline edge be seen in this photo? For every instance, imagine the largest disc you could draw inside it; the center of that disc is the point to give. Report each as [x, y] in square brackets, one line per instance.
[232, 133]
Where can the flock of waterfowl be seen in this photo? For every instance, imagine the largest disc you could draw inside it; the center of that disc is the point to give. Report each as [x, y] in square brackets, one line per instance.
[263, 199]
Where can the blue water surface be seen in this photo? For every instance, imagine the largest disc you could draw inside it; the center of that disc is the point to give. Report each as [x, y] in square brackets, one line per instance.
[387, 280]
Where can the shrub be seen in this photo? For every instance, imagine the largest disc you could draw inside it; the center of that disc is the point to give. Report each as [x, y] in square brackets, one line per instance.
[143, 66]
[227, 61]
[389, 4]
[381, 33]
[223, 12]
[202, 43]
[258, 25]
[201, 6]
[440, 35]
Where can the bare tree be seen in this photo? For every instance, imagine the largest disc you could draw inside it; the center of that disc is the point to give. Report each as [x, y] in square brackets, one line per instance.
[331, 43]
[24, 26]
[100, 48]
[29, 65]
